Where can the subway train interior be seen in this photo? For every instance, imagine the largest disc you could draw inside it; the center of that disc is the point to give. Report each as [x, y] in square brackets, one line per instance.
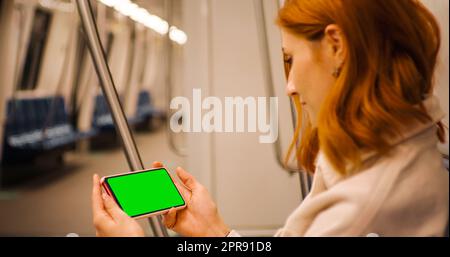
[111, 86]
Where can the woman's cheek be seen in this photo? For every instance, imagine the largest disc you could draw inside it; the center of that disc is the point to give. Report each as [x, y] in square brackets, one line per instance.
[301, 78]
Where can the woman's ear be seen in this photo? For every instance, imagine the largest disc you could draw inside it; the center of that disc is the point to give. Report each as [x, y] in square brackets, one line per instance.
[334, 39]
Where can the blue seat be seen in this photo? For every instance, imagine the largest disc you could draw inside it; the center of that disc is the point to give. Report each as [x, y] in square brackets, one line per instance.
[145, 108]
[102, 119]
[38, 124]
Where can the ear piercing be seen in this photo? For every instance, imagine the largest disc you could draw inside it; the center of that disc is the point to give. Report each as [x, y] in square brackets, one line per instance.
[337, 72]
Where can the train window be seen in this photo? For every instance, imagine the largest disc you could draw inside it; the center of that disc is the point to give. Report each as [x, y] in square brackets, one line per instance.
[109, 44]
[82, 54]
[143, 64]
[132, 53]
[35, 52]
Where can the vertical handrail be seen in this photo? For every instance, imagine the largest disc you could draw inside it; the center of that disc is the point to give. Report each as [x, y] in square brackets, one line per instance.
[107, 84]
[169, 82]
[269, 84]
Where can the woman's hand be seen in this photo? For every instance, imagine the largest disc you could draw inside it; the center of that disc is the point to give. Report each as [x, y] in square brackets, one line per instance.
[200, 218]
[109, 219]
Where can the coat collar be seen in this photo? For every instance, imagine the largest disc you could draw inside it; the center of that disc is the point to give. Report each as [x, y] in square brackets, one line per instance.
[434, 110]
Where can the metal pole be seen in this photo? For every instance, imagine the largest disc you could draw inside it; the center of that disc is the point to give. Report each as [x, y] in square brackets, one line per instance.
[168, 6]
[269, 84]
[106, 81]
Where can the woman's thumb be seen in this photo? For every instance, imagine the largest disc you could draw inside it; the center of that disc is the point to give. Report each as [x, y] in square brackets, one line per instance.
[111, 207]
[170, 218]
[187, 179]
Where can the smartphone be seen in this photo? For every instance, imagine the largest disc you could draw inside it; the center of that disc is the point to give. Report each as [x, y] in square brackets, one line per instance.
[144, 193]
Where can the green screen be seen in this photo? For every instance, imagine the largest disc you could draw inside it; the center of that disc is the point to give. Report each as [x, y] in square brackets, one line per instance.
[145, 192]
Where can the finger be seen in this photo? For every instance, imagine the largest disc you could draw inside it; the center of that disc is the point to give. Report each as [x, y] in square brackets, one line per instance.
[100, 217]
[158, 165]
[188, 180]
[97, 202]
[170, 218]
[112, 208]
[186, 193]
[183, 190]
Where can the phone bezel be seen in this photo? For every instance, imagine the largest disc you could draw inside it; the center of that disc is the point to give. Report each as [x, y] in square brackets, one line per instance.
[106, 186]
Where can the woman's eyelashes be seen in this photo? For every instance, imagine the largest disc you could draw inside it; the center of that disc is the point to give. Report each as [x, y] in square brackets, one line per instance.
[287, 64]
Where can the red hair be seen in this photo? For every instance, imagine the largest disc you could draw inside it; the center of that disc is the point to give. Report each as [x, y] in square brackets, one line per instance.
[392, 47]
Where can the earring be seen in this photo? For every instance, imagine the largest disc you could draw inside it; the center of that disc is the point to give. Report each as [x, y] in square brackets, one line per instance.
[337, 72]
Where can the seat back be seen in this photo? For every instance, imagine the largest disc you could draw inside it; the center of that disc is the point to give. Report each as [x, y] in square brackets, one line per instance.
[26, 116]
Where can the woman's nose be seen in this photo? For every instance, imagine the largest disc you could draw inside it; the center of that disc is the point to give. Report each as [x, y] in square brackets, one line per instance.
[290, 89]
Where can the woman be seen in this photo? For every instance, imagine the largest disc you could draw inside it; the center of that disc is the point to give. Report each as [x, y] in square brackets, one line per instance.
[361, 72]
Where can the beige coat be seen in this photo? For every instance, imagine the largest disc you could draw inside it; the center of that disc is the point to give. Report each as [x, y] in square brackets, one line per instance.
[405, 193]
